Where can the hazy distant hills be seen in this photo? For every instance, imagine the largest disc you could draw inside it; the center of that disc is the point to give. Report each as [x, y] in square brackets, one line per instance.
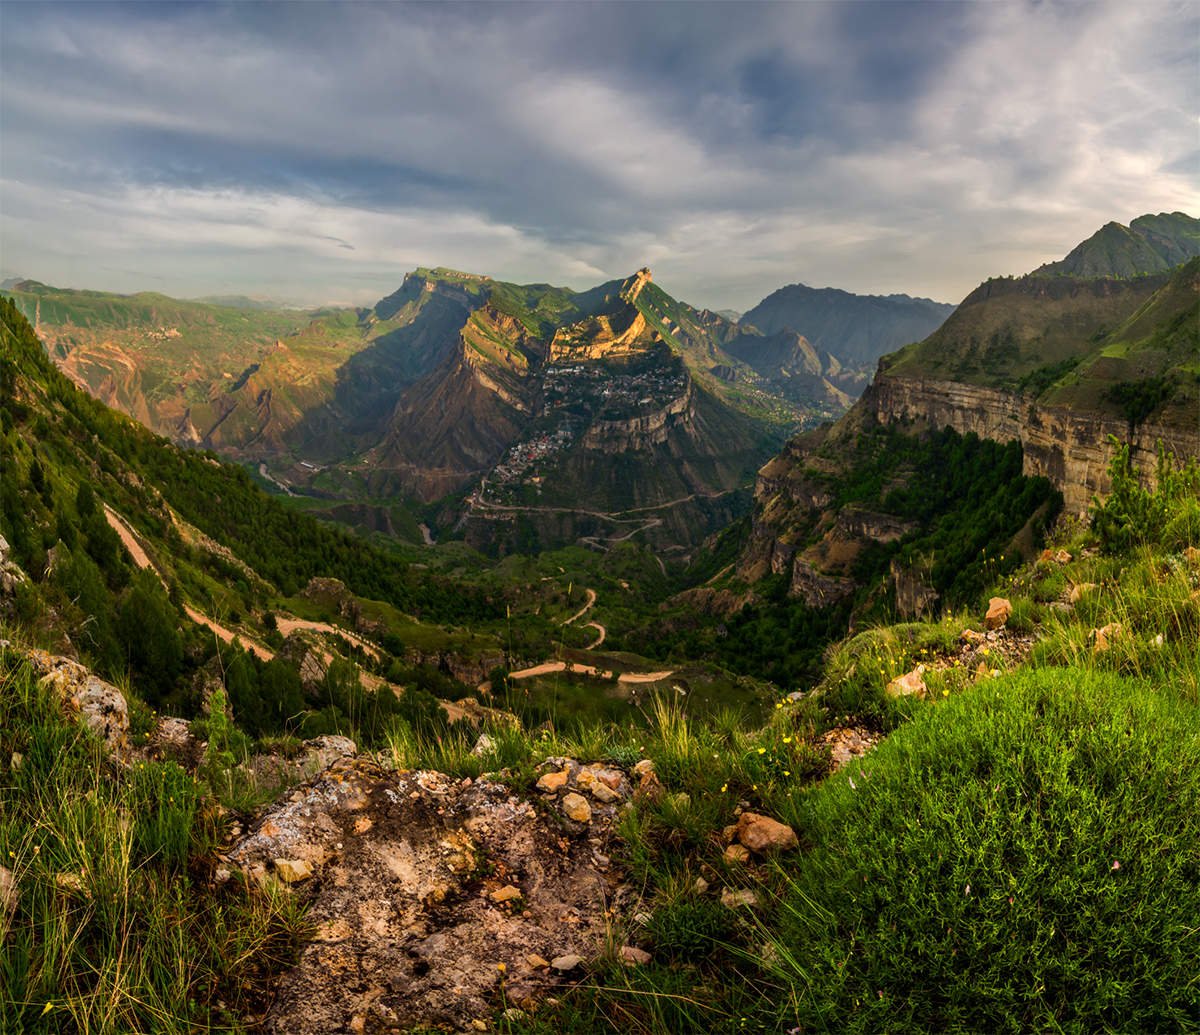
[856, 329]
[1149, 244]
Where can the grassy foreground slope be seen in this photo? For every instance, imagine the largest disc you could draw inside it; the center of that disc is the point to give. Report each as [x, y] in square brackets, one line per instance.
[1018, 854]
[1052, 764]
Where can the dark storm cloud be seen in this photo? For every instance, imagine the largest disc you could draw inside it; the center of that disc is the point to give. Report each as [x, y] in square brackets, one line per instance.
[318, 151]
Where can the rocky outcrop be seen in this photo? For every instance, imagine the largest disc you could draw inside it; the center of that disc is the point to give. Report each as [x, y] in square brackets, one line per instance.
[11, 575]
[1069, 448]
[914, 596]
[817, 589]
[434, 900]
[642, 432]
[98, 704]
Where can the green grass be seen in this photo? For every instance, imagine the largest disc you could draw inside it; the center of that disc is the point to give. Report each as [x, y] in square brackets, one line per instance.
[119, 925]
[1023, 858]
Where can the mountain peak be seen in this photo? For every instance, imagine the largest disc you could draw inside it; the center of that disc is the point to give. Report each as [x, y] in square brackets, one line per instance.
[1149, 244]
[633, 286]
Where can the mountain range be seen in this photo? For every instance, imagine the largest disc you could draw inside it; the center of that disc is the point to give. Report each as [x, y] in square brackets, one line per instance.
[1063, 366]
[521, 402]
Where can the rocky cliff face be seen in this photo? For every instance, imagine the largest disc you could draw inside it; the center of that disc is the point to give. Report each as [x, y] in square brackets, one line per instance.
[1069, 448]
[643, 431]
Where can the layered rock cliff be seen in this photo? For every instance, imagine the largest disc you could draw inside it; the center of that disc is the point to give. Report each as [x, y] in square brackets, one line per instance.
[1070, 448]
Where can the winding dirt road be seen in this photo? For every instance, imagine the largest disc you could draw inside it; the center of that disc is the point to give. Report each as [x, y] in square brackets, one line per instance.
[591, 602]
[130, 541]
[549, 667]
[287, 624]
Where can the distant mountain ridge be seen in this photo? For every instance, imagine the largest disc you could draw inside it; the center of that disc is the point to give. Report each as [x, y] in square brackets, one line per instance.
[1149, 244]
[856, 329]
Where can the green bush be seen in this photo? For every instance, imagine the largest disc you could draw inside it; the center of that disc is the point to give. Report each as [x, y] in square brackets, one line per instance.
[1021, 858]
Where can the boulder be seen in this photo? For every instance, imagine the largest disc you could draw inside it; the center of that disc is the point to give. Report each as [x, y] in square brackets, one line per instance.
[997, 613]
[910, 683]
[99, 705]
[765, 835]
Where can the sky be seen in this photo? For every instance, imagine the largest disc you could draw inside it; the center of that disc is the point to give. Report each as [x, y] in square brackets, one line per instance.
[314, 154]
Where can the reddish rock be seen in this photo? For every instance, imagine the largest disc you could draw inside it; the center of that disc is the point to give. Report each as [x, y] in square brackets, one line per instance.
[910, 683]
[997, 613]
[764, 835]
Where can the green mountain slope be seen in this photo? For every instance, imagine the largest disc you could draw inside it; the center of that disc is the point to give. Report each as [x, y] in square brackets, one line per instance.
[1150, 244]
[1052, 367]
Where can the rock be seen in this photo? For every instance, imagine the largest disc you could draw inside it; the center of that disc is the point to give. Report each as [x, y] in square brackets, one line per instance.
[565, 963]
[554, 782]
[701, 886]
[11, 575]
[406, 940]
[846, 743]
[1105, 636]
[292, 871]
[765, 835]
[576, 807]
[505, 894]
[646, 765]
[485, 745]
[604, 794]
[738, 899]
[99, 705]
[1078, 590]
[972, 637]
[16, 761]
[322, 752]
[997, 613]
[910, 683]
[632, 956]
[737, 855]
[8, 895]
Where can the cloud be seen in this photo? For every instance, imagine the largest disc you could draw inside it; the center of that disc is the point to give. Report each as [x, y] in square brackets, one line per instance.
[319, 151]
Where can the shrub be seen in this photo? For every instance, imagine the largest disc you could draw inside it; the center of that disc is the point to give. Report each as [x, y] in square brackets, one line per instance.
[1020, 858]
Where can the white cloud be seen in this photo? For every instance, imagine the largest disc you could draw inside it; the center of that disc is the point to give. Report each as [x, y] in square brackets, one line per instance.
[733, 148]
